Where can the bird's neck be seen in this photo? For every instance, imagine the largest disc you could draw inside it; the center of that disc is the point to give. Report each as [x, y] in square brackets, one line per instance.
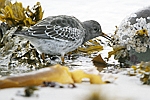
[87, 37]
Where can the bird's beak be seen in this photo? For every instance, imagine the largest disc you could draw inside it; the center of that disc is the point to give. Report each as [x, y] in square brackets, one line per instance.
[106, 36]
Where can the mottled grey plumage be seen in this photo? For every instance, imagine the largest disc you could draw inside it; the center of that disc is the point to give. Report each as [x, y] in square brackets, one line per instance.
[58, 35]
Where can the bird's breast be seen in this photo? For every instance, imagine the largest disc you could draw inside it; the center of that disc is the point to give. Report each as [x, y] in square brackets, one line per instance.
[55, 47]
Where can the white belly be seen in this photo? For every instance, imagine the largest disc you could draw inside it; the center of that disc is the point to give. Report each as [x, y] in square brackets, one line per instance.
[52, 47]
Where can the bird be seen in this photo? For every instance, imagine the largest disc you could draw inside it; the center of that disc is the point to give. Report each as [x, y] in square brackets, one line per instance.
[58, 35]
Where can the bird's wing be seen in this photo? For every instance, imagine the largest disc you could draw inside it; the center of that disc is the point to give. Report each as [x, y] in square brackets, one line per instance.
[58, 28]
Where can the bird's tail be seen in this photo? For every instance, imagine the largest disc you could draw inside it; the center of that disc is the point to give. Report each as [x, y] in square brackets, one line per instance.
[19, 32]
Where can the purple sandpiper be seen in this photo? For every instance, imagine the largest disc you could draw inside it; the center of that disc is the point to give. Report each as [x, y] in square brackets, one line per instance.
[58, 35]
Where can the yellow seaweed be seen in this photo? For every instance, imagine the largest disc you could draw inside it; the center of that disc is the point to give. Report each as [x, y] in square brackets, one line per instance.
[91, 46]
[142, 32]
[91, 49]
[115, 51]
[56, 73]
[16, 15]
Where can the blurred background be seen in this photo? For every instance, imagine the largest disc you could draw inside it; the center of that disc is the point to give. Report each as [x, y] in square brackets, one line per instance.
[109, 13]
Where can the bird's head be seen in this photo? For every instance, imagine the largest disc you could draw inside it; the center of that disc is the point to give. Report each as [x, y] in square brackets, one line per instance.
[93, 29]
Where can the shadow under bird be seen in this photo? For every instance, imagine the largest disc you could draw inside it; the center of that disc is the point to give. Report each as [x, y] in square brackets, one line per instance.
[58, 35]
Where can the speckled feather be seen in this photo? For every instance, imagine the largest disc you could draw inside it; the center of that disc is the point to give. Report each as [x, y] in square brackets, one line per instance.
[58, 35]
[58, 28]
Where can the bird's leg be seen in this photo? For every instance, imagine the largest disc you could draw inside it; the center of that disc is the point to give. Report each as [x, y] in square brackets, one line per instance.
[43, 57]
[62, 59]
[69, 55]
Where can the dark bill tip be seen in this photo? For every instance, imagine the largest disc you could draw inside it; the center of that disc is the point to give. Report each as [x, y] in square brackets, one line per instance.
[106, 36]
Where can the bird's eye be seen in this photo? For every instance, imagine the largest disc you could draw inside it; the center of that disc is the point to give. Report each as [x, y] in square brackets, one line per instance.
[96, 29]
